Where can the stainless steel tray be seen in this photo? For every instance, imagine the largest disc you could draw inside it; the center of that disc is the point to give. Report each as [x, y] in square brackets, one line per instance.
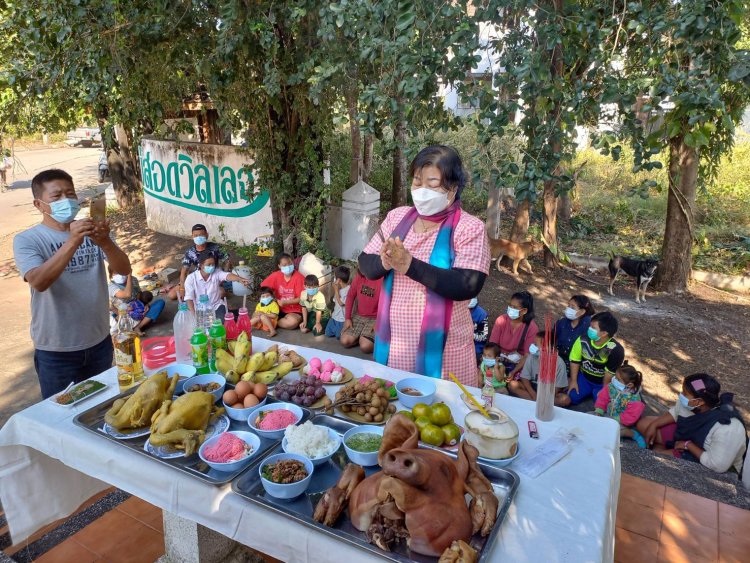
[248, 485]
[93, 421]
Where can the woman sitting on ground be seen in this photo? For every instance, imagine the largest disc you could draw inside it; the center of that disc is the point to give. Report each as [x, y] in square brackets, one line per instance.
[207, 280]
[515, 331]
[703, 426]
[575, 323]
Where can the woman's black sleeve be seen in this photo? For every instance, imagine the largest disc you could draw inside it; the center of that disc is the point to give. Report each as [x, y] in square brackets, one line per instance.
[457, 284]
[371, 266]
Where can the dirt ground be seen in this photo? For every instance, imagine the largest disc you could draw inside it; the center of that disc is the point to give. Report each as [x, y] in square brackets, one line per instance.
[667, 338]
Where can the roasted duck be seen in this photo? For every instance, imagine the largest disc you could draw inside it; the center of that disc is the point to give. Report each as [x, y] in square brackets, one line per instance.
[182, 423]
[136, 411]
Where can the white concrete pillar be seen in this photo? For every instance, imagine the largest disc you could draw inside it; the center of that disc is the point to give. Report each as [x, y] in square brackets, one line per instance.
[186, 541]
[360, 210]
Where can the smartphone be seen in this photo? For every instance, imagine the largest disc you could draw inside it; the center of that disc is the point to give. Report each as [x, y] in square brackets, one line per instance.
[98, 209]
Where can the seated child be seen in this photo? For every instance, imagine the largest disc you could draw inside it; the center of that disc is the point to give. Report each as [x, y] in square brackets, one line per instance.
[481, 327]
[144, 310]
[314, 311]
[266, 313]
[526, 386]
[621, 400]
[340, 291]
[492, 368]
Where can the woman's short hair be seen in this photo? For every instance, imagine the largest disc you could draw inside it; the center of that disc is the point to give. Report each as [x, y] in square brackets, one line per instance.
[447, 160]
[205, 255]
[282, 256]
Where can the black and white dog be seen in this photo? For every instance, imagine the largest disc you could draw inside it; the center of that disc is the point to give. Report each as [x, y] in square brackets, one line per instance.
[642, 270]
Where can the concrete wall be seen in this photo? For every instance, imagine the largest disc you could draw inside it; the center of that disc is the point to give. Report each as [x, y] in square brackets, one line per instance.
[188, 183]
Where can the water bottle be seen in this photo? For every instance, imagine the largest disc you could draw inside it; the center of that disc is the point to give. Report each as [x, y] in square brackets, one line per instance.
[204, 314]
[199, 350]
[217, 337]
[183, 328]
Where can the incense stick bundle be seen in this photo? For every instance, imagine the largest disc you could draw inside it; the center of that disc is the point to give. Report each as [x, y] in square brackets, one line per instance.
[545, 393]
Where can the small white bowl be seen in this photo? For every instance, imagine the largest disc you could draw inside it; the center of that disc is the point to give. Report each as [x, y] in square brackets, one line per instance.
[423, 384]
[206, 378]
[289, 490]
[241, 414]
[274, 434]
[185, 372]
[247, 437]
[332, 434]
[365, 459]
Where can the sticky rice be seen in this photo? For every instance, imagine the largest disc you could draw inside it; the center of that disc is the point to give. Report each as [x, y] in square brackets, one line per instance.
[309, 440]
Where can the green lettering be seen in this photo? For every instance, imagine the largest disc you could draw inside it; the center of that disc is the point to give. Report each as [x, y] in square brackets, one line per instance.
[188, 169]
[228, 185]
[158, 188]
[202, 183]
[173, 179]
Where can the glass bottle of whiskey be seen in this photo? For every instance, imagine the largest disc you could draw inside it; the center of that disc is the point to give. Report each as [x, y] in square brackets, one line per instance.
[127, 346]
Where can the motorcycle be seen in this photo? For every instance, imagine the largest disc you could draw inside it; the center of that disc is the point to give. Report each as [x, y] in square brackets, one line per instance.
[103, 168]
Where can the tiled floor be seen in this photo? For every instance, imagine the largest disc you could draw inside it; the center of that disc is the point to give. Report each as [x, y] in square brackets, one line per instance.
[657, 523]
[654, 523]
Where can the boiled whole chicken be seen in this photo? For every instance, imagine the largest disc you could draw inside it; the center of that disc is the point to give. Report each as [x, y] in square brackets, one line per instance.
[136, 411]
[182, 423]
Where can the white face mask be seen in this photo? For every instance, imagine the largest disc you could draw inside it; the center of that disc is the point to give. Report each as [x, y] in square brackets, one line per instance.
[513, 313]
[429, 202]
[119, 279]
[571, 313]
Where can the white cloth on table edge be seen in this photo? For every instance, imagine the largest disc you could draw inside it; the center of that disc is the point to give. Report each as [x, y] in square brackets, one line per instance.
[566, 514]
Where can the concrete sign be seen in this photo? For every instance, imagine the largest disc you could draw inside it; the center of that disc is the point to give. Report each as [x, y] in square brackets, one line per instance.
[188, 183]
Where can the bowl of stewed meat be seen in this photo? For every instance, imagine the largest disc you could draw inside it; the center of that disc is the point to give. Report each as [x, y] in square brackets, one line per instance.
[286, 476]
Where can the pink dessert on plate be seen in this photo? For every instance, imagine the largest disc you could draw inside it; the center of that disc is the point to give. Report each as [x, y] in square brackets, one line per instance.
[226, 449]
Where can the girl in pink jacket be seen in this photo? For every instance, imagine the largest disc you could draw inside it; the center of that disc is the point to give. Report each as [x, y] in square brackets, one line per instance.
[621, 400]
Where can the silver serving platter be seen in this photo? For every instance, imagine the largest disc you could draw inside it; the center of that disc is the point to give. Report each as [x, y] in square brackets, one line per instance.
[92, 420]
[248, 485]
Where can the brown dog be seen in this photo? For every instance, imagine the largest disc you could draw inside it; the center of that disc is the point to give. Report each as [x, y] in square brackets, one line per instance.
[516, 251]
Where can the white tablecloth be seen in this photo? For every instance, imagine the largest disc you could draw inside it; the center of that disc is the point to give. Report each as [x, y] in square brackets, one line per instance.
[48, 467]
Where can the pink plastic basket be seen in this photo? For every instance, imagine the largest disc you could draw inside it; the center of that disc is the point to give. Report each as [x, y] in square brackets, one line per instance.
[157, 352]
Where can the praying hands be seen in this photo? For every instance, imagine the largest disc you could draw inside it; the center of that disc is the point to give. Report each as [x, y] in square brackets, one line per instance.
[394, 256]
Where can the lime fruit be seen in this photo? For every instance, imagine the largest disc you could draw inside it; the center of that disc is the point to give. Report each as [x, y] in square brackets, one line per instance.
[451, 434]
[432, 435]
[420, 409]
[421, 422]
[408, 415]
[440, 414]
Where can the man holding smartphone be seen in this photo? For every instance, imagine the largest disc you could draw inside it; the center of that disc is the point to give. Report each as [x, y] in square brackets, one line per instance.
[63, 261]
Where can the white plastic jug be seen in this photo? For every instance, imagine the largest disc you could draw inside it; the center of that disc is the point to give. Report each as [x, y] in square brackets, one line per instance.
[244, 272]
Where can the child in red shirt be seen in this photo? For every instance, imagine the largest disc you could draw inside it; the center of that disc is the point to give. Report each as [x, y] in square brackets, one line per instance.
[359, 326]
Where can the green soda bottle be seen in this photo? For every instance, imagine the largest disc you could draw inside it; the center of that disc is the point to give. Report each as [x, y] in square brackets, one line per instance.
[199, 351]
[217, 335]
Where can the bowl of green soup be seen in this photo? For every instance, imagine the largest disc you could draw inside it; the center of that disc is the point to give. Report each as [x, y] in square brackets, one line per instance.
[362, 444]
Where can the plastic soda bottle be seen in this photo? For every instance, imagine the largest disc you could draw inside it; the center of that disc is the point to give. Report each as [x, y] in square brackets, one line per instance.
[199, 350]
[230, 326]
[217, 336]
[488, 392]
[204, 313]
[183, 329]
[243, 323]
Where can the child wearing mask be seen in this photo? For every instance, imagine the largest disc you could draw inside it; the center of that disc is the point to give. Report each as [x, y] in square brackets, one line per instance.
[287, 284]
[621, 400]
[314, 311]
[207, 280]
[491, 367]
[481, 327]
[266, 313]
[340, 291]
[525, 387]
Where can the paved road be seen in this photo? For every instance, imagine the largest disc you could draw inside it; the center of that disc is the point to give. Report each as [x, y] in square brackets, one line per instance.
[18, 383]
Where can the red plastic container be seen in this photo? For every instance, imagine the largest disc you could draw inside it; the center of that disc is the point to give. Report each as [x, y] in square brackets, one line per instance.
[157, 352]
[231, 327]
[243, 323]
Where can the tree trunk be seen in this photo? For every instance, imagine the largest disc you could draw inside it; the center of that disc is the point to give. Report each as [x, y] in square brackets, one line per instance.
[399, 184]
[355, 170]
[120, 160]
[564, 207]
[521, 222]
[676, 255]
[493, 212]
[367, 158]
[549, 220]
